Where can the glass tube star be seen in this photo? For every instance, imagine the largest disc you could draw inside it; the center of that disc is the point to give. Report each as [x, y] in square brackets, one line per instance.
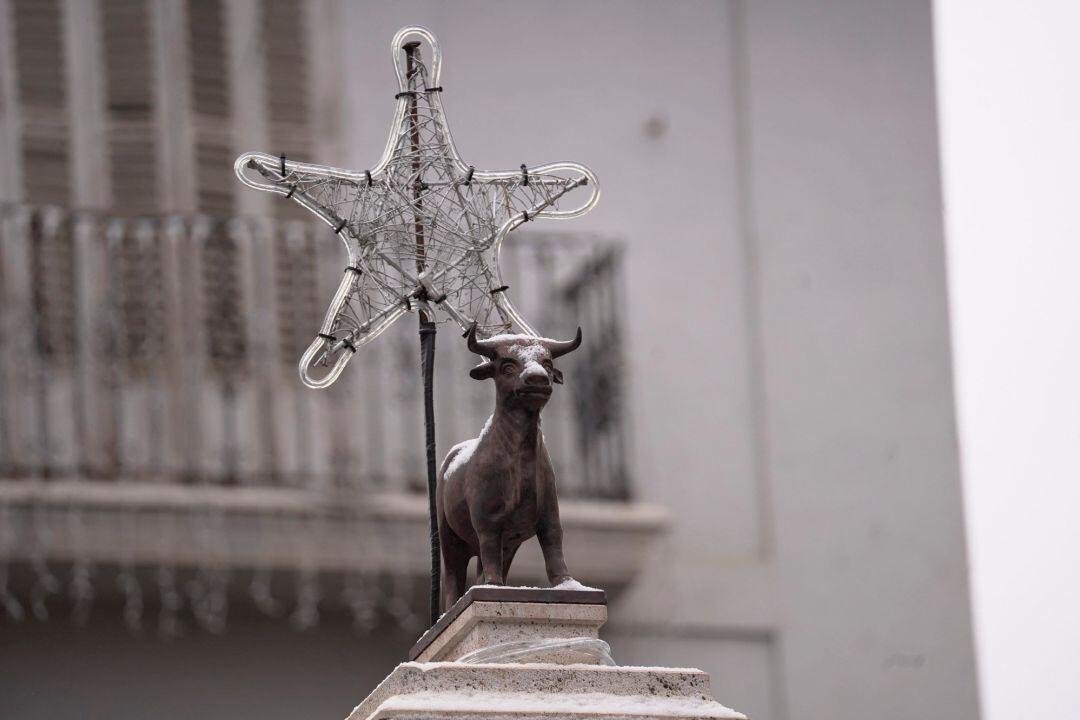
[422, 229]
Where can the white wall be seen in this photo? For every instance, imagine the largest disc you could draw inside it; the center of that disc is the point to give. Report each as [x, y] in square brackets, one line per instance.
[1010, 113]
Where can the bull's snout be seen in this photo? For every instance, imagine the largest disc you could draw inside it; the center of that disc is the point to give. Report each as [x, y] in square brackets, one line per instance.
[537, 378]
[534, 381]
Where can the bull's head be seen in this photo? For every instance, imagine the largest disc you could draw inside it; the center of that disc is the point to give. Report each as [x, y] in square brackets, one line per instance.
[522, 365]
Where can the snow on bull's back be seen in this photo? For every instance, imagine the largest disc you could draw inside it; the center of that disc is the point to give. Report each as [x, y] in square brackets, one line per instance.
[466, 449]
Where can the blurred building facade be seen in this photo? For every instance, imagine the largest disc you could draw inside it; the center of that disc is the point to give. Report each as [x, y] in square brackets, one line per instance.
[184, 529]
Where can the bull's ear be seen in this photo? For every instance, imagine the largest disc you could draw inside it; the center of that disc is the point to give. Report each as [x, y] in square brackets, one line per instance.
[483, 371]
[556, 376]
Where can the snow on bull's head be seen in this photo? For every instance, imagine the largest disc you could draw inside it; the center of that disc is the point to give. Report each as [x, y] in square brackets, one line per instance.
[522, 365]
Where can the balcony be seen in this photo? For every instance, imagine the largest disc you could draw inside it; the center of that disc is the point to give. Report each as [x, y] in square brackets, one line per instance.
[152, 422]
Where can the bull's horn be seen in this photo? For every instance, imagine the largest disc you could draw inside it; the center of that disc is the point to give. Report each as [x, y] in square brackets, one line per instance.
[558, 348]
[480, 347]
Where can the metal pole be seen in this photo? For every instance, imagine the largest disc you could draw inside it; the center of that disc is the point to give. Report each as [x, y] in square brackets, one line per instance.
[427, 344]
[427, 354]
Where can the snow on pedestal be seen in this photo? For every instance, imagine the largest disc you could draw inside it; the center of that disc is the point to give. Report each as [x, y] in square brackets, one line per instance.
[550, 663]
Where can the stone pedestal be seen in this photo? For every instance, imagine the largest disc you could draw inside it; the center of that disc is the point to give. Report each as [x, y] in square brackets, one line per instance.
[531, 653]
[490, 618]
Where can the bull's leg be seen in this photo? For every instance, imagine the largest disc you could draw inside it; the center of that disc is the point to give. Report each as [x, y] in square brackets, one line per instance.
[491, 557]
[550, 536]
[456, 555]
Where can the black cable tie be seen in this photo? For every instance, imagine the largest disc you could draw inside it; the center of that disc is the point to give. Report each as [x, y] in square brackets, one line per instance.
[525, 216]
[340, 226]
[524, 175]
[408, 304]
[504, 288]
[282, 164]
[344, 341]
[367, 176]
[423, 295]
[437, 88]
[468, 175]
[403, 93]
[292, 189]
[353, 268]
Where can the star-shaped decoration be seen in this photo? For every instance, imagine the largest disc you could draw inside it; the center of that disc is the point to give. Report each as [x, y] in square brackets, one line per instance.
[422, 229]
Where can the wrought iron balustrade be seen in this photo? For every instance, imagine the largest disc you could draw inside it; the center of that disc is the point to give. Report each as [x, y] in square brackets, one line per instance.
[154, 433]
[163, 351]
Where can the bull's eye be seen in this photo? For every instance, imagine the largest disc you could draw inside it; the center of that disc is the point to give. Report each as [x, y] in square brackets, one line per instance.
[509, 367]
[546, 364]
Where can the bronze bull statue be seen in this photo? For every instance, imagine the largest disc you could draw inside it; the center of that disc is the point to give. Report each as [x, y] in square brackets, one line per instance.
[496, 491]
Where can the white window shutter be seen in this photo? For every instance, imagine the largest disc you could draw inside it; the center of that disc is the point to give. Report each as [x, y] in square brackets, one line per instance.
[42, 87]
[129, 105]
[285, 51]
[211, 106]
